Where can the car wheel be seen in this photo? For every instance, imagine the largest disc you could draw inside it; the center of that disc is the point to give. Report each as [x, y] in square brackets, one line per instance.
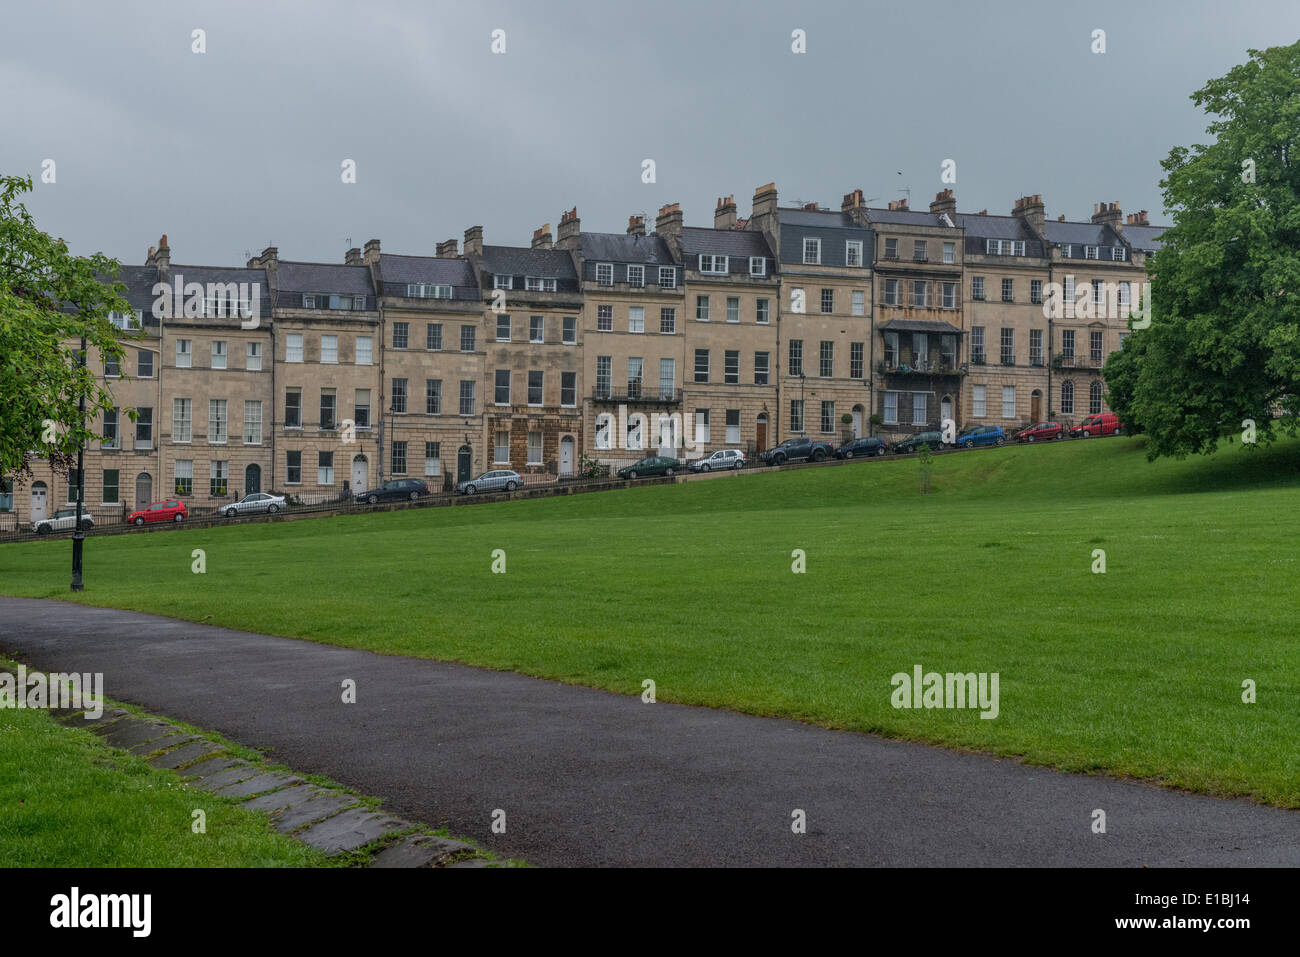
[848, 455]
[42, 529]
[668, 471]
[970, 443]
[1029, 438]
[414, 496]
[373, 499]
[704, 468]
[1000, 440]
[139, 521]
[631, 475]
[231, 513]
[1119, 430]
[469, 489]
[272, 509]
[779, 460]
[511, 486]
[819, 455]
[179, 518]
[739, 464]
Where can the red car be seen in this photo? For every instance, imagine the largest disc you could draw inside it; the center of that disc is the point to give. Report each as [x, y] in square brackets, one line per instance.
[1043, 431]
[169, 511]
[1103, 423]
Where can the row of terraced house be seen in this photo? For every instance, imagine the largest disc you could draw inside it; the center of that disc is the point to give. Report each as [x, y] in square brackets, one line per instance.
[602, 346]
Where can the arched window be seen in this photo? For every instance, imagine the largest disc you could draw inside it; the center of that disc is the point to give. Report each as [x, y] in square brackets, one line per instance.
[1094, 397]
[1067, 397]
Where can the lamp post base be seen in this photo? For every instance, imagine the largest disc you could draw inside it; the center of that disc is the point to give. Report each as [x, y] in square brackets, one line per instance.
[77, 538]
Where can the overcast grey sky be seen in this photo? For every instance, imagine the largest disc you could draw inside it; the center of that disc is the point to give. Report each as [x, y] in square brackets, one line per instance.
[242, 145]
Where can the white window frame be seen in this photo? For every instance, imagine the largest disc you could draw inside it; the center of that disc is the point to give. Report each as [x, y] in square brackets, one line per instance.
[369, 351]
[717, 265]
[816, 249]
[636, 318]
[184, 353]
[293, 347]
[1008, 401]
[182, 425]
[852, 252]
[500, 281]
[638, 271]
[858, 302]
[671, 273]
[330, 357]
[758, 266]
[604, 274]
[979, 401]
[220, 353]
[949, 253]
[253, 357]
[535, 459]
[252, 421]
[497, 458]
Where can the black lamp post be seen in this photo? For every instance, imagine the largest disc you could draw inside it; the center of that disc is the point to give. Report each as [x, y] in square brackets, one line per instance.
[78, 536]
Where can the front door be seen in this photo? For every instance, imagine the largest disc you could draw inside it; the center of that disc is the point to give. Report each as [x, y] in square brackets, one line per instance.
[360, 473]
[40, 501]
[566, 455]
[143, 490]
[1036, 406]
[760, 436]
[945, 410]
[857, 421]
[252, 480]
[464, 463]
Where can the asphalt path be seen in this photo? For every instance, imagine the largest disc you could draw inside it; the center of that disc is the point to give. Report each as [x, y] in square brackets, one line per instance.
[591, 778]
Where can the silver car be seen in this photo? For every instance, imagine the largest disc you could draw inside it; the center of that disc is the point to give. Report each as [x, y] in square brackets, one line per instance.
[257, 502]
[721, 459]
[497, 480]
[62, 520]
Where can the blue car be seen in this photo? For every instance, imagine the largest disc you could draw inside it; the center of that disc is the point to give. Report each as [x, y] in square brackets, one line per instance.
[981, 435]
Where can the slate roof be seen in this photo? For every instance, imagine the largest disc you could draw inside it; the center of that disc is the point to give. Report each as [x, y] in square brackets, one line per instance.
[904, 217]
[1082, 234]
[736, 243]
[221, 274]
[823, 218]
[522, 261]
[921, 325]
[396, 271]
[994, 227]
[1146, 238]
[323, 277]
[621, 248]
[139, 281]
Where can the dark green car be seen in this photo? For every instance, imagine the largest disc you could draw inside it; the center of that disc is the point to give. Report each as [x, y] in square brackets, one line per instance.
[653, 465]
[932, 439]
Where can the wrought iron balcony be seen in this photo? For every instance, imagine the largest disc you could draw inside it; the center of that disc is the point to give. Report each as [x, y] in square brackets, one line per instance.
[922, 367]
[633, 394]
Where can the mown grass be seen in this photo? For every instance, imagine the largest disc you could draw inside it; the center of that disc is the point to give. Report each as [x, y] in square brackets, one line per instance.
[1137, 671]
[69, 800]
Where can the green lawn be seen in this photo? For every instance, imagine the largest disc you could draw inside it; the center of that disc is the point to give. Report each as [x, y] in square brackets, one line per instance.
[69, 800]
[1137, 671]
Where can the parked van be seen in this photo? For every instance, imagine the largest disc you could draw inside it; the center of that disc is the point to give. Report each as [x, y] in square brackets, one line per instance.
[1103, 423]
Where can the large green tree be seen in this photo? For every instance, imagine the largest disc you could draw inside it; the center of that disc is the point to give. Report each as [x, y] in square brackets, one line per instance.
[49, 300]
[1224, 339]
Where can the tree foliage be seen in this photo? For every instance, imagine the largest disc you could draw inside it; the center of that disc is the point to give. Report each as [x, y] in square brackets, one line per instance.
[1224, 339]
[49, 300]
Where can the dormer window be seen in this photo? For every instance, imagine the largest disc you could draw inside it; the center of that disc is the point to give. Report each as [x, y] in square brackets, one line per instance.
[1066, 250]
[713, 265]
[539, 284]
[323, 300]
[812, 252]
[1090, 252]
[636, 276]
[757, 266]
[427, 290]
[502, 282]
[605, 274]
[1004, 247]
[853, 252]
[1117, 253]
[667, 277]
[122, 320]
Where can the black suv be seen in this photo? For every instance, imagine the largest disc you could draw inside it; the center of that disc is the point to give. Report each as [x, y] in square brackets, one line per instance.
[860, 448]
[914, 442]
[393, 491]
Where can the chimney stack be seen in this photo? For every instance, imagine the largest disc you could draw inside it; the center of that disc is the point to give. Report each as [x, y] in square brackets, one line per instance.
[352, 257]
[448, 249]
[763, 215]
[474, 241]
[370, 256]
[898, 204]
[851, 200]
[1029, 210]
[636, 225]
[542, 237]
[160, 257]
[1138, 219]
[569, 234]
[724, 216]
[1108, 214]
[944, 202]
[668, 225]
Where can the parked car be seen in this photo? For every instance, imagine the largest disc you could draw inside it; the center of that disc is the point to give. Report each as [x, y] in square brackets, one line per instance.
[1043, 431]
[798, 449]
[393, 491]
[914, 442]
[256, 502]
[1103, 423]
[62, 520]
[498, 480]
[981, 435]
[172, 510]
[651, 465]
[721, 459]
[859, 448]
